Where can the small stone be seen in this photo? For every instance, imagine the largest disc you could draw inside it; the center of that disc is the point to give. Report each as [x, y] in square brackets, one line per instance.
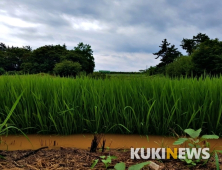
[154, 166]
[14, 156]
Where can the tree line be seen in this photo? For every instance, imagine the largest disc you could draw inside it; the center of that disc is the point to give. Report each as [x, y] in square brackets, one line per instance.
[204, 55]
[52, 59]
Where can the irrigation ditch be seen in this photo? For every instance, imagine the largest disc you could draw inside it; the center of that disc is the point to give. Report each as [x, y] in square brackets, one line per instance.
[81, 151]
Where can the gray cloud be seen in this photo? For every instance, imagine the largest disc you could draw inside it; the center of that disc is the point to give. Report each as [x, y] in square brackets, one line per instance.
[123, 34]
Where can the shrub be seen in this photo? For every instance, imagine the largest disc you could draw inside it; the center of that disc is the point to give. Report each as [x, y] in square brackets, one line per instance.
[155, 70]
[19, 72]
[180, 67]
[67, 68]
[97, 75]
[82, 74]
[11, 73]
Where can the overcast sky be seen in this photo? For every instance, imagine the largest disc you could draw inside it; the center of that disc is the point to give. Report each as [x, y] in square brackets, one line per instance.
[123, 34]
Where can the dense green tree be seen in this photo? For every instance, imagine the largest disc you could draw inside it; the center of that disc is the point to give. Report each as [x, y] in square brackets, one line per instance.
[27, 68]
[86, 52]
[151, 70]
[191, 44]
[2, 47]
[67, 68]
[2, 71]
[11, 58]
[208, 57]
[17, 56]
[2, 59]
[3, 56]
[73, 56]
[45, 58]
[167, 53]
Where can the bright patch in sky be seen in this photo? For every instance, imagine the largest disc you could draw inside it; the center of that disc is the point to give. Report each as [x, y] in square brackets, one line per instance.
[83, 24]
[16, 22]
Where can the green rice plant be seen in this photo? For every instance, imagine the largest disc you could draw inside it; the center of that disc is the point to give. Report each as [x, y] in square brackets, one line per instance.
[162, 144]
[137, 104]
[3, 129]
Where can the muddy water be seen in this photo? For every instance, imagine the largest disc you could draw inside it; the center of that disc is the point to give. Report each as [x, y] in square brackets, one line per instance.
[15, 142]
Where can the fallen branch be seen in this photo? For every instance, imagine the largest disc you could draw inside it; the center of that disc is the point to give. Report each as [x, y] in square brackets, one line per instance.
[20, 166]
[31, 153]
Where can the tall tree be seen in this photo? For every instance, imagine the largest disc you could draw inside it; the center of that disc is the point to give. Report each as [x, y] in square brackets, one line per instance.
[167, 53]
[86, 52]
[3, 56]
[2, 47]
[208, 57]
[191, 44]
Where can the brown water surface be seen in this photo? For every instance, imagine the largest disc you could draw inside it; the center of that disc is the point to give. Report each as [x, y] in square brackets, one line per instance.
[15, 142]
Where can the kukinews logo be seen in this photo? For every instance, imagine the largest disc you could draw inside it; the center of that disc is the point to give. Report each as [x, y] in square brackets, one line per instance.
[165, 153]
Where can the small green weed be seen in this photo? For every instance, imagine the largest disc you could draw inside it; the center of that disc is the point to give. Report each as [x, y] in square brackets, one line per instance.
[118, 166]
[106, 161]
[194, 141]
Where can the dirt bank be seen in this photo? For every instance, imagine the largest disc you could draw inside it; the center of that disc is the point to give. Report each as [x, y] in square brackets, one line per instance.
[71, 158]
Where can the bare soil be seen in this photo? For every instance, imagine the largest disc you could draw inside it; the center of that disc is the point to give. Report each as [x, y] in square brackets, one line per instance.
[73, 159]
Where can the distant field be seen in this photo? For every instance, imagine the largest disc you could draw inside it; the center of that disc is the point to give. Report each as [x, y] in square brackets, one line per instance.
[127, 75]
[136, 104]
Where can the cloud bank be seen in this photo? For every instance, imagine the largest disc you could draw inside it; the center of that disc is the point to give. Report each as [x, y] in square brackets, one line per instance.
[122, 34]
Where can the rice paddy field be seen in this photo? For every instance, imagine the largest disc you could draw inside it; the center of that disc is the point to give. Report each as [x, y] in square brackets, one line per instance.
[132, 105]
